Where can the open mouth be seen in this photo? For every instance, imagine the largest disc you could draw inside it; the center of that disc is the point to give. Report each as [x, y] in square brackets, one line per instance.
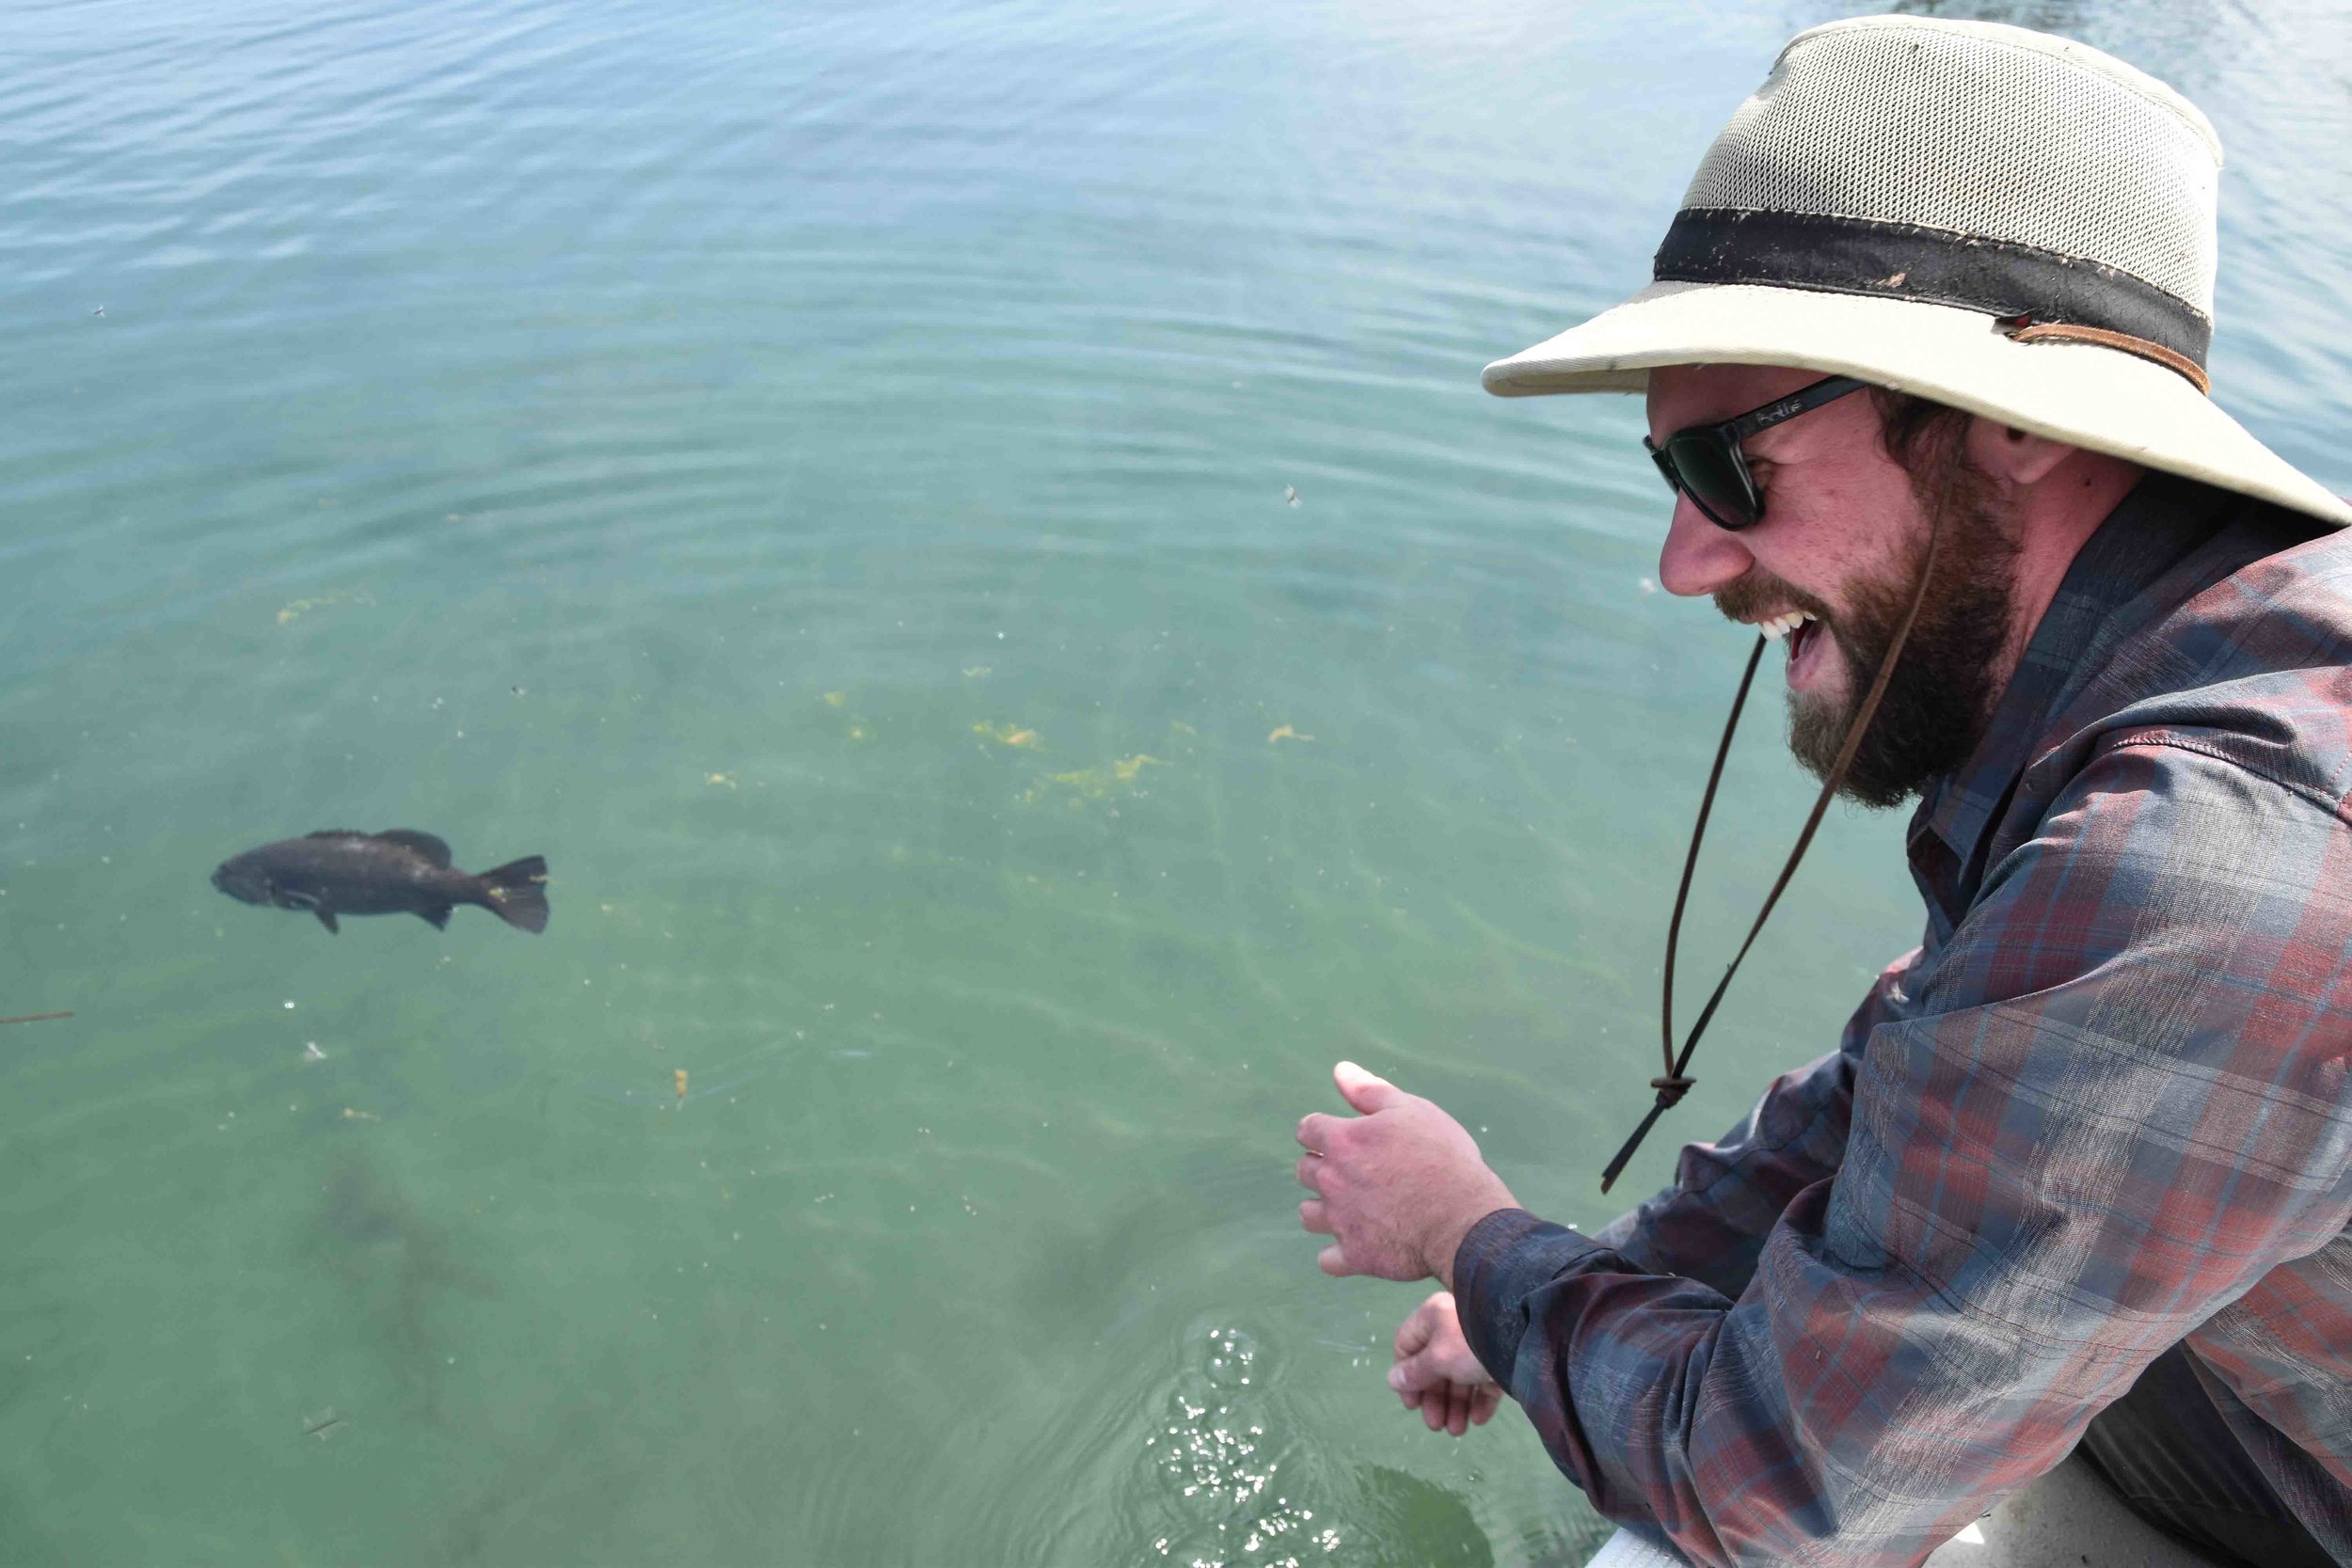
[1798, 628]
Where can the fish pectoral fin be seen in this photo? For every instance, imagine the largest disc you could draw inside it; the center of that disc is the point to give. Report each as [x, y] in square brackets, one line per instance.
[326, 916]
[437, 918]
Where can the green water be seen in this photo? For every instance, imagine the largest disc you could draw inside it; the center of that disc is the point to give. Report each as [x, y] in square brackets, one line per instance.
[817, 474]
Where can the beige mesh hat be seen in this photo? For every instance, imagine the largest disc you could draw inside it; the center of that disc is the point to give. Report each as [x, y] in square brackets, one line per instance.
[1999, 219]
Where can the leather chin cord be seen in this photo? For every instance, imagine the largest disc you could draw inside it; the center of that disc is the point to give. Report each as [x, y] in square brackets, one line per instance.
[1676, 1083]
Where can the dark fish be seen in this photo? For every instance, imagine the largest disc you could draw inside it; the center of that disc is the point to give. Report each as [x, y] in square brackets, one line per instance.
[398, 871]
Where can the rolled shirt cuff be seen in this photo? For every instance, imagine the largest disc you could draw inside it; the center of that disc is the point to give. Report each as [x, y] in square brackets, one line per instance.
[1506, 1258]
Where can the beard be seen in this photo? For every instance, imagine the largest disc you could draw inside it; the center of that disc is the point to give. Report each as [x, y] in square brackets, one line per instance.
[1939, 701]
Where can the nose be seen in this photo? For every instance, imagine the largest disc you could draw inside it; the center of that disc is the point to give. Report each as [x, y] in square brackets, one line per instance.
[1698, 557]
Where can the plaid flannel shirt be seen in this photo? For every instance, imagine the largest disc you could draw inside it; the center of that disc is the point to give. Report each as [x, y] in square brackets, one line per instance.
[2101, 1109]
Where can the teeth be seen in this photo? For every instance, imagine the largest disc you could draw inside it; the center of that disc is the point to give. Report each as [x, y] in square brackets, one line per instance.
[1781, 626]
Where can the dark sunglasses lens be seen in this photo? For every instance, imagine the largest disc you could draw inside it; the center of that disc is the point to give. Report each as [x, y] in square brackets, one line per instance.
[1711, 476]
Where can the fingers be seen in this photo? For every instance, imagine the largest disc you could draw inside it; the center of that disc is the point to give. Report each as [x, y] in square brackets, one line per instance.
[1414, 1332]
[1421, 1324]
[1309, 1174]
[1435, 1404]
[1416, 1368]
[1457, 1402]
[1452, 1407]
[1312, 1217]
[1315, 1131]
[1334, 1262]
[1367, 1092]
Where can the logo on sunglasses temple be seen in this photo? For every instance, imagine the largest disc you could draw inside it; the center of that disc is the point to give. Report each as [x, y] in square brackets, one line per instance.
[1683, 456]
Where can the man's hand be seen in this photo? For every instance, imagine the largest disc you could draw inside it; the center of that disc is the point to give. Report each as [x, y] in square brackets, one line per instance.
[1398, 1187]
[1437, 1375]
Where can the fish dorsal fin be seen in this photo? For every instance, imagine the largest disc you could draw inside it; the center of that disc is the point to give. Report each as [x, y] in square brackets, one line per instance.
[337, 832]
[423, 843]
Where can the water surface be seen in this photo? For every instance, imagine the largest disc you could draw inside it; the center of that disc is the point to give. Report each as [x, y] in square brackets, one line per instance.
[822, 475]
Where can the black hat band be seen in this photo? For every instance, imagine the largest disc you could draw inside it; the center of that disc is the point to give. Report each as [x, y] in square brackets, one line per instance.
[1930, 266]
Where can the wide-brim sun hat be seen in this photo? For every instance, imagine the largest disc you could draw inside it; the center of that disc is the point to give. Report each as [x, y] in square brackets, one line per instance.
[2002, 220]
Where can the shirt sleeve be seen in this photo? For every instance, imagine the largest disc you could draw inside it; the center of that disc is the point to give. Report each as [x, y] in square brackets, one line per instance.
[1728, 1195]
[2121, 1101]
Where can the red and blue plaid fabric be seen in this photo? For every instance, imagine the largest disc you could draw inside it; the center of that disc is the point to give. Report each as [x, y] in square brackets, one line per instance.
[2102, 1110]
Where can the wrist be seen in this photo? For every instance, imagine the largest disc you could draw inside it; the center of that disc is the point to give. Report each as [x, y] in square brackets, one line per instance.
[1448, 1240]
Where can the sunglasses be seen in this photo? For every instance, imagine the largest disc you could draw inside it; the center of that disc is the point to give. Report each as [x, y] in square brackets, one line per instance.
[1706, 464]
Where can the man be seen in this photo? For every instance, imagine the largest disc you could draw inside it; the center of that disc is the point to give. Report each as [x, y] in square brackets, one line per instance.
[1924, 362]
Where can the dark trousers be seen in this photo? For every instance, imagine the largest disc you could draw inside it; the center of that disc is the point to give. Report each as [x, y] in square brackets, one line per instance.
[2165, 1450]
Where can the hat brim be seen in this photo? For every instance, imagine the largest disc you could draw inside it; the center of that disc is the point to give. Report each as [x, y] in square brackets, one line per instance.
[2098, 398]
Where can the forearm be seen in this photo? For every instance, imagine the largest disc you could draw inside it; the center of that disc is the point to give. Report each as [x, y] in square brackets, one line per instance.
[2099, 1118]
[1761, 1431]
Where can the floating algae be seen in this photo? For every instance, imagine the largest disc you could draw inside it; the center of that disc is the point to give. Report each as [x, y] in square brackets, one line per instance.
[726, 778]
[1095, 784]
[1286, 733]
[303, 607]
[709, 1082]
[1007, 735]
[858, 729]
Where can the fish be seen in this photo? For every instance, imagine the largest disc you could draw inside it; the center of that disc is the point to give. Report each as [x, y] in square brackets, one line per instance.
[340, 871]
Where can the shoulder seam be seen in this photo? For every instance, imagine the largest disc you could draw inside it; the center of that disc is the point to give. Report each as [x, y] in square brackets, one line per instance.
[2332, 805]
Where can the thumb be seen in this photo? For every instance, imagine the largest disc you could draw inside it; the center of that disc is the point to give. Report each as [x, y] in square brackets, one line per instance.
[1416, 1373]
[1366, 1091]
[1414, 1334]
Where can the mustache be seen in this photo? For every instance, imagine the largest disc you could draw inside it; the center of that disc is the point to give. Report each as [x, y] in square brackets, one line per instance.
[1760, 593]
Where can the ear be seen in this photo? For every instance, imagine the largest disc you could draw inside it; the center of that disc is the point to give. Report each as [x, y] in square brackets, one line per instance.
[2010, 455]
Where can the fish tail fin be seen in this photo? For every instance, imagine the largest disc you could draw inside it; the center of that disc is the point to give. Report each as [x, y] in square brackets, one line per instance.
[517, 893]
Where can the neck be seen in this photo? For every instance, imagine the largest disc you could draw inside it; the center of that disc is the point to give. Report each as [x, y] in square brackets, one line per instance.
[2055, 517]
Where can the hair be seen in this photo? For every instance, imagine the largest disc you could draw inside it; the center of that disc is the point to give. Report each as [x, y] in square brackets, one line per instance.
[1921, 435]
[1941, 693]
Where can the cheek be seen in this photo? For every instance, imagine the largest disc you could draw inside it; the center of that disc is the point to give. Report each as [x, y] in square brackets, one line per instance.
[1841, 532]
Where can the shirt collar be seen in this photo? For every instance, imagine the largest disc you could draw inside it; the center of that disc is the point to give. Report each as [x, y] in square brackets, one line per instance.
[2104, 596]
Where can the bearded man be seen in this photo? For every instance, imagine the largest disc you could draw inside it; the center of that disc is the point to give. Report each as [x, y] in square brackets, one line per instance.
[1924, 358]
